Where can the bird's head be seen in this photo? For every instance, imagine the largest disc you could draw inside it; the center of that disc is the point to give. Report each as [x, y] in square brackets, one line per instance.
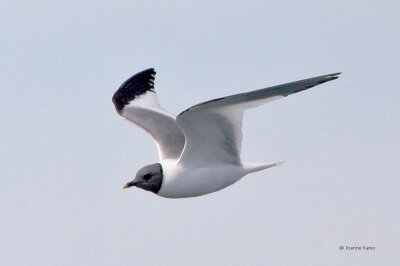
[148, 178]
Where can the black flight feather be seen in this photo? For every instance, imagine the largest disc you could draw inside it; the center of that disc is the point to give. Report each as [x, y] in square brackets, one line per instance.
[135, 86]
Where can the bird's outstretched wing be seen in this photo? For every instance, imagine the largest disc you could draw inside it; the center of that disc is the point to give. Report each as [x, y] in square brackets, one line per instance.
[136, 101]
[213, 129]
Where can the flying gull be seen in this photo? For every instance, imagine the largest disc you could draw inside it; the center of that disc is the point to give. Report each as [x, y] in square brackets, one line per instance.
[199, 150]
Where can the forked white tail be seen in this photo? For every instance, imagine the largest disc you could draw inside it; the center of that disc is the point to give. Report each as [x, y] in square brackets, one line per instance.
[254, 167]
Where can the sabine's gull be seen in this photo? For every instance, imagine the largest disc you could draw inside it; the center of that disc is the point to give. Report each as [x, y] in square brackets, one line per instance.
[199, 150]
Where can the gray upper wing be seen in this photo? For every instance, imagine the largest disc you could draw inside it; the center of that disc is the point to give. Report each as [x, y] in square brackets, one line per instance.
[213, 129]
[263, 94]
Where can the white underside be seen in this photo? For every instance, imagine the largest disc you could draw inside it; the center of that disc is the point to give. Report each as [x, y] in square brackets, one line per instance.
[182, 182]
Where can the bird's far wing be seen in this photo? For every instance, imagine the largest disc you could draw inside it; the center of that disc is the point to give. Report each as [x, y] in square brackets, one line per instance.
[213, 129]
[136, 101]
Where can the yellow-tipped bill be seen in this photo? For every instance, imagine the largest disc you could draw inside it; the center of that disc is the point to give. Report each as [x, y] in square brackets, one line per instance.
[125, 186]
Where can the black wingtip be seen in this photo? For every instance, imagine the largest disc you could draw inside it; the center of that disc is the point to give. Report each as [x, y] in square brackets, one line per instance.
[333, 76]
[319, 80]
[136, 85]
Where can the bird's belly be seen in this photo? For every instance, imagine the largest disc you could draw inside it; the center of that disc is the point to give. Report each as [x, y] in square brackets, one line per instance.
[180, 182]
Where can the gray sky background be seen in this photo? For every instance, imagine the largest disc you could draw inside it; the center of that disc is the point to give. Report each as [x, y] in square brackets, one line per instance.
[65, 153]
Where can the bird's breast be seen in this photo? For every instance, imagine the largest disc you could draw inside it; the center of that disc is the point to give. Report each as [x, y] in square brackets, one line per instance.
[186, 181]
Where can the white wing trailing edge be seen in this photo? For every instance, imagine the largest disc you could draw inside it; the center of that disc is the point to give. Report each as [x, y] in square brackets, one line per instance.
[213, 129]
[136, 101]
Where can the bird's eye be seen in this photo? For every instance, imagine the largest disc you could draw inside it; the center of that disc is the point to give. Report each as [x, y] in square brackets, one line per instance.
[146, 177]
